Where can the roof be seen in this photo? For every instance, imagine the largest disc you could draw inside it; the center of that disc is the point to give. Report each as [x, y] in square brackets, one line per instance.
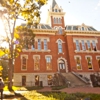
[39, 26]
[53, 3]
[80, 27]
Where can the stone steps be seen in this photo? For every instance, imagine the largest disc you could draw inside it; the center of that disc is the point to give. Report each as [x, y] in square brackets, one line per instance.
[74, 81]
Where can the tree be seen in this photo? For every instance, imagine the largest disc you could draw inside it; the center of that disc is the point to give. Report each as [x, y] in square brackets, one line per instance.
[27, 10]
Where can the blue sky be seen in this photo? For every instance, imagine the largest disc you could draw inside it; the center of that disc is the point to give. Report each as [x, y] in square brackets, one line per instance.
[77, 12]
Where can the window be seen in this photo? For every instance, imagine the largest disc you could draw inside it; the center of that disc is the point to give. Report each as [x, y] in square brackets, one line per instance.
[36, 63]
[60, 30]
[59, 46]
[49, 77]
[54, 20]
[48, 63]
[32, 47]
[78, 63]
[55, 10]
[89, 45]
[39, 44]
[94, 45]
[61, 64]
[59, 20]
[24, 62]
[83, 45]
[77, 45]
[98, 59]
[45, 44]
[89, 63]
[82, 28]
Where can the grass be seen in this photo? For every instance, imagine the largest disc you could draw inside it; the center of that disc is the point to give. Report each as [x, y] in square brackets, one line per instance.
[34, 95]
[13, 87]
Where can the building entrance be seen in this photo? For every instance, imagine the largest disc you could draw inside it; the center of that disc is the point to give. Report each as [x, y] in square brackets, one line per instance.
[62, 67]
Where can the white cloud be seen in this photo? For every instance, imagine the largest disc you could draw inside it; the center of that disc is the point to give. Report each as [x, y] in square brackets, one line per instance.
[97, 5]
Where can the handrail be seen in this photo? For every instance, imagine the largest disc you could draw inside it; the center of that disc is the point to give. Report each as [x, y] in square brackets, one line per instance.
[80, 77]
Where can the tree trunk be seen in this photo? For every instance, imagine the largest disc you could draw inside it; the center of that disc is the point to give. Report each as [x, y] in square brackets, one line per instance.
[10, 74]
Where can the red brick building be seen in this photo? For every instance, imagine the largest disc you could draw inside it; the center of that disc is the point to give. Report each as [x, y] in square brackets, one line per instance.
[58, 48]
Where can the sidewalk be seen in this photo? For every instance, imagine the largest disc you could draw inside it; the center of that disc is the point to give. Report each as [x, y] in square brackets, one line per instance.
[95, 90]
[74, 90]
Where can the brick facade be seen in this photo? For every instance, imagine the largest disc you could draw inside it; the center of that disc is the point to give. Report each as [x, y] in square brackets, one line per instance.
[64, 61]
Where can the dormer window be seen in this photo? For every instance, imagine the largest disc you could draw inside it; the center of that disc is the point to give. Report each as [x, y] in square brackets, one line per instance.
[82, 28]
[59, 10]
[55, 10]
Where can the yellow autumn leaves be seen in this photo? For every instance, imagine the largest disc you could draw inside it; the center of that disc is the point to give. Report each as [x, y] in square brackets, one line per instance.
[43, 1]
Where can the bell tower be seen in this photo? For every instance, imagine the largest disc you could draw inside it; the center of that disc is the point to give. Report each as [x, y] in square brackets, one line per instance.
[56, 16]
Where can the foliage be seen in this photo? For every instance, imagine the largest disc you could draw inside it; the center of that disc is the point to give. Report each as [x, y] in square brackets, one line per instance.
[27, 10]
[4, 65]
[52, 95]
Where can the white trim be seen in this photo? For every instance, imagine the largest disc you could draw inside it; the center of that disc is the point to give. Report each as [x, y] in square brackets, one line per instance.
[60, 40]
[42, 38]
[35, 56]
[97, 57]
[77, 56]
[85, 40]
[48, 56]
[88, 56]
[36, 50]
[24, 56]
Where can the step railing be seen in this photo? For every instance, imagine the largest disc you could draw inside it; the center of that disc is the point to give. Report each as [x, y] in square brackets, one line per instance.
[83, 78]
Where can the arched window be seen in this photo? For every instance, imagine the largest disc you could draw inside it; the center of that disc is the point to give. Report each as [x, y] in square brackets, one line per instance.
[59, 46]
[60, 30]
[55, 10]
[54, 20]
[59, 20]
[61, 64]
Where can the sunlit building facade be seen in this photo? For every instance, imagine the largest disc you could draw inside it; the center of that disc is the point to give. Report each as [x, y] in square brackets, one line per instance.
[58, 48]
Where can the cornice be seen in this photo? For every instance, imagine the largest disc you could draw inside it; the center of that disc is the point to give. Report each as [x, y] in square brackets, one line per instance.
[44, 31]
[57, 13]
[90, 33]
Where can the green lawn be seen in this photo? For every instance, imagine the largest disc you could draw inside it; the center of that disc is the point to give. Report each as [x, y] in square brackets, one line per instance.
[32, 94]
